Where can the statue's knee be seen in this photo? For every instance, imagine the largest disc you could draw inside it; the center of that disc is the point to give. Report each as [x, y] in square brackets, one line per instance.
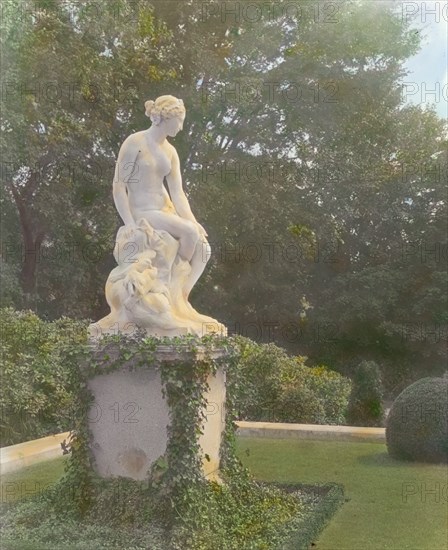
[192, 232]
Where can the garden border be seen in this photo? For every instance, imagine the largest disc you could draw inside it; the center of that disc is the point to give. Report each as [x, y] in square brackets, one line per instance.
[318, 432]
[312, 526]
[16, 457]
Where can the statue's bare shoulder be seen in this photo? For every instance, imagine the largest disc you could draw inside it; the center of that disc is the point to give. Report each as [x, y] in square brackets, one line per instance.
[132, 142]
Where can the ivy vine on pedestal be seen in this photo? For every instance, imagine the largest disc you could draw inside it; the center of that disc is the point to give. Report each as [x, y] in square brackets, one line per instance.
[189, 361]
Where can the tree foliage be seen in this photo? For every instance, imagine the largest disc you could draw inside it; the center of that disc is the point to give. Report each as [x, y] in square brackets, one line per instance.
[323, 193]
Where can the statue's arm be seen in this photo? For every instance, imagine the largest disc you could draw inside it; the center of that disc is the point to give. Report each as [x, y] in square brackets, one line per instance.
[125, 169]
[174, 181]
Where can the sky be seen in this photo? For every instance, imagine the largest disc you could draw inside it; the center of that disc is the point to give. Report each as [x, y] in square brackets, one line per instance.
[429, 68]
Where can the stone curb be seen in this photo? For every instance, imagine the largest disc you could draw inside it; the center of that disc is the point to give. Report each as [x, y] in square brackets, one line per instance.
[316, 432]
[19, 456]
[16, 457]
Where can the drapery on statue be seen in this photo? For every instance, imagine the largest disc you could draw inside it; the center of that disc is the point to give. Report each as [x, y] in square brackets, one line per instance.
[161, 250]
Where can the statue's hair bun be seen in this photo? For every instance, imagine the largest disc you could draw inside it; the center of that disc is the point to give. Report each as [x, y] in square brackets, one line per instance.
[149, 106]
[164, 107]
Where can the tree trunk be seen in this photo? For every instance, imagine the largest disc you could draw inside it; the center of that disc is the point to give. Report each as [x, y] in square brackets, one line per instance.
[31, 246]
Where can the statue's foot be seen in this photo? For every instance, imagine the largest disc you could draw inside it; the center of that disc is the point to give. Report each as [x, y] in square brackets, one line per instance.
[209, 325]
[203, 323]
[197, 315]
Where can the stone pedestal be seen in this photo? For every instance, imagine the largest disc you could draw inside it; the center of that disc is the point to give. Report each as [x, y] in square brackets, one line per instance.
[129, 417]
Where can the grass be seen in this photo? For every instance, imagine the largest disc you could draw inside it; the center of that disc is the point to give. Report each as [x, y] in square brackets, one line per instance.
[238, 515]
[31, 480]
[391, 504]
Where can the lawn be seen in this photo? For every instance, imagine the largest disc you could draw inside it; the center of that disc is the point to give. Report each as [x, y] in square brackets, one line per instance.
[392, 505]
[31, 480]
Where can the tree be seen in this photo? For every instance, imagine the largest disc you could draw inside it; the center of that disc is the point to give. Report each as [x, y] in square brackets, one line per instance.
[298, 156]
[74, 80]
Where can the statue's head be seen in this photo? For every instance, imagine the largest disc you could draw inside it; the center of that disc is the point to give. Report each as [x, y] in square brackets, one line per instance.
[167, 111]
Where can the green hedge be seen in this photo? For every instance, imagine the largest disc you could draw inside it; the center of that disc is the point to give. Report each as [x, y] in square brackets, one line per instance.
[35, 397]
[331, 497]
[280, 388]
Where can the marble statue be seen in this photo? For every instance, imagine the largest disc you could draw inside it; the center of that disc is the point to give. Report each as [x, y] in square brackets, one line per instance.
[161, 250]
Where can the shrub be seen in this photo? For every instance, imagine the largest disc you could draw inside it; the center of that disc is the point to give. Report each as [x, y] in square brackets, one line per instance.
[366, 399]
[34, 397]
[280, 388]
[417, 425]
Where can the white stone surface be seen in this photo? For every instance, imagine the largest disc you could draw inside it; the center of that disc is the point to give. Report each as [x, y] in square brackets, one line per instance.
[314, 432]
[161, 250]
[128, 422]
[210, 440]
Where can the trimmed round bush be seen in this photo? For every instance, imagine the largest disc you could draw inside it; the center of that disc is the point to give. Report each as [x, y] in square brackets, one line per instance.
[417, 425]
